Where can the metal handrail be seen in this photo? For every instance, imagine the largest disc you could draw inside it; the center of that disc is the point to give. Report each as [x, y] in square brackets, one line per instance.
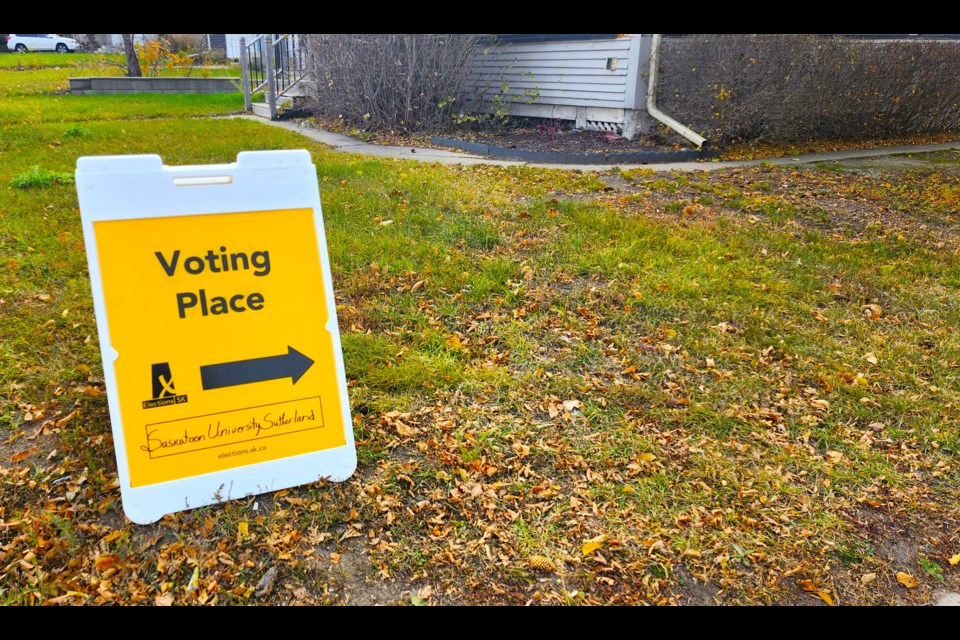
[255, 55]
[288, 57]
[272, 65]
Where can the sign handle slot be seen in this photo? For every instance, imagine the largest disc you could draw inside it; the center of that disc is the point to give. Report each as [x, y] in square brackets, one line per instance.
[202, 181]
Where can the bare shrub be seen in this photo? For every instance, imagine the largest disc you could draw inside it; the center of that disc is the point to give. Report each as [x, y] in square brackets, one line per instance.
[406, 81]
[792, 88]
[183, 42]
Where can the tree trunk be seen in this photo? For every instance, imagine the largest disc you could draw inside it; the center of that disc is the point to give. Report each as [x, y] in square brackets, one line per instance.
[133, 62]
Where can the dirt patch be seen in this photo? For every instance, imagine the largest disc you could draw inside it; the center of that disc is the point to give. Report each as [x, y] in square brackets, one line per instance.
[558, 138]
[691, 592]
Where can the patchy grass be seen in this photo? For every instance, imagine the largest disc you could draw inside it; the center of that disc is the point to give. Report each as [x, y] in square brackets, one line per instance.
[35, 109]
[33, 61]
[566, 388]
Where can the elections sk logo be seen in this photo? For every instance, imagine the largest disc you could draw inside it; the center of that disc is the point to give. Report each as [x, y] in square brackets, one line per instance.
[163, 392]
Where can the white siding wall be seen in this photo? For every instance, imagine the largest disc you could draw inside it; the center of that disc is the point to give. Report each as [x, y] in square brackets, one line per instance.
[554, 78]
[233, 42]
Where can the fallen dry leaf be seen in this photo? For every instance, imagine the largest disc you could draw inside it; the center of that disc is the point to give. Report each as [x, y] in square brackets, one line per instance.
[593, 544]
[571, 405]
[867, 578]
[405, 431]
[906, 580]
[871, 357]
[243, 528]
[872, 311]
[106, 561]
[955, 559]
[23, 455]
[165, 600]
[67, 418]
[810, 587]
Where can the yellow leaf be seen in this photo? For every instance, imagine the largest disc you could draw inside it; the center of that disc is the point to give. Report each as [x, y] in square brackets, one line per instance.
[871, 357]
[116, 534]
[646, 457]
[194, 579]
[670, 333]
[955, 559]
[454, 342]
[593, 544]
[906, 580]
[243, 528]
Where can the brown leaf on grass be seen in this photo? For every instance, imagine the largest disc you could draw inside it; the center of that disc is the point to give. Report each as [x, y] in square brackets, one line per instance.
[808, 586]
[906, 580]
[569, 406]
[67, 418]
[106, 561]
[405, 431]
[872, 311]
[165, 600]
[350, 533]
[23, 455]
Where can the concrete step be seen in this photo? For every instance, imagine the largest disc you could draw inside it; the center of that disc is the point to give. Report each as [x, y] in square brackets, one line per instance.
[262, 109]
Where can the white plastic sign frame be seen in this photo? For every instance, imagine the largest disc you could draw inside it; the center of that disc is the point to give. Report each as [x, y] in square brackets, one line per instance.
[140, 187]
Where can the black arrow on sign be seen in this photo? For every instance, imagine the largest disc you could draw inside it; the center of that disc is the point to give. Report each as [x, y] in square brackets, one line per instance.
[231, 374]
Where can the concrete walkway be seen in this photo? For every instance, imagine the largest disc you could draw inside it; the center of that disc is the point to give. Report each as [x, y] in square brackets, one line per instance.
[347, 144]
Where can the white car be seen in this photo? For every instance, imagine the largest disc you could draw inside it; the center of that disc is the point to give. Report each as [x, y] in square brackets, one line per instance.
[23, 42]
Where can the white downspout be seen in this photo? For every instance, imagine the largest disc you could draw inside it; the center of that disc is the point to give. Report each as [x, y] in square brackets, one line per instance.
[686, 132]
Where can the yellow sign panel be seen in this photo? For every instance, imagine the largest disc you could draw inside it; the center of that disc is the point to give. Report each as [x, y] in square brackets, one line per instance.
[219, 322]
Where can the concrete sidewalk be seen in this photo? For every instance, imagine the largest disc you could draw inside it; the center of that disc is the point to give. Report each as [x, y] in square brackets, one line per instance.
[347, 144]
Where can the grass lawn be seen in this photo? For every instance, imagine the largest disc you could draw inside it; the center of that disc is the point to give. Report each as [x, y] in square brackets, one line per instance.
[12, 60]
[621, 388]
